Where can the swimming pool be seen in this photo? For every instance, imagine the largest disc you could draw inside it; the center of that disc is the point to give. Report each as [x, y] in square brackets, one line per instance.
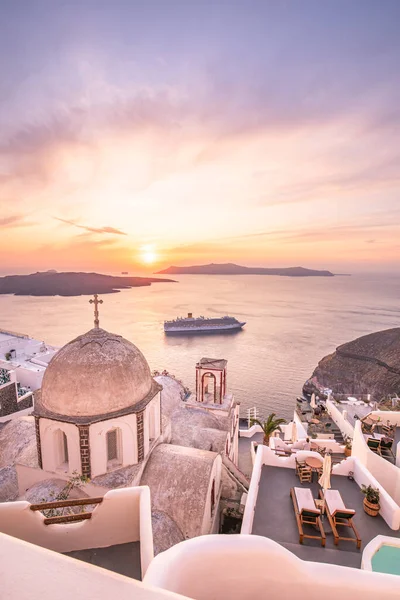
[387, 560]
[382, 555]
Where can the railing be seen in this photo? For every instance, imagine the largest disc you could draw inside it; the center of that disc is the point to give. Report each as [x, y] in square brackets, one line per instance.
[4, 376]
[66, 504]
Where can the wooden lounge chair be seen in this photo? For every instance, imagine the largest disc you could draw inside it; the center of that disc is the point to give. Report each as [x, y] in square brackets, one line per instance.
[339, 516]
[374, 445]
[385, 449]
[307, 514]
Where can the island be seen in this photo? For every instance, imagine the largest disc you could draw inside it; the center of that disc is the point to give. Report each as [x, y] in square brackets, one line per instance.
[232, 269]
[368, 365]
[52, 283]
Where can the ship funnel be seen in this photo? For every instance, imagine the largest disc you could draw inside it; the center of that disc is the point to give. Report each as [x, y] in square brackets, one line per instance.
[190, 315]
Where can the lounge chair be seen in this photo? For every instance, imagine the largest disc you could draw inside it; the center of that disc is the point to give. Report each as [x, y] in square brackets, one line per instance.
[374, 445]
[339, 516]
[385, 448]
[307, 514]
[388, 430]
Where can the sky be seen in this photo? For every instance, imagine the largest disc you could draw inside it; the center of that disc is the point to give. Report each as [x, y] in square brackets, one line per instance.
[139, 134]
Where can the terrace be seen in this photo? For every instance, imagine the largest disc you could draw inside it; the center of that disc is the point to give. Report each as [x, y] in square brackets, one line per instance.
[274, 517]
[112, 531]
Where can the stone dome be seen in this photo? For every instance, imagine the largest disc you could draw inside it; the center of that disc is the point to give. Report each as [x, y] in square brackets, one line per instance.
[98, 373]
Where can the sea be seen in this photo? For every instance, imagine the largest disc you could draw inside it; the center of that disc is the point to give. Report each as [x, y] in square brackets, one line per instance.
[291, 323]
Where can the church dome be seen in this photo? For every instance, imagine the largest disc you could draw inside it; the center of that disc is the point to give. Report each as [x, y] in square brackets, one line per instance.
[98, 373]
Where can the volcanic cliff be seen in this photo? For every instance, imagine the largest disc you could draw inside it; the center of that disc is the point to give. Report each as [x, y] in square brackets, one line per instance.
[367, 365]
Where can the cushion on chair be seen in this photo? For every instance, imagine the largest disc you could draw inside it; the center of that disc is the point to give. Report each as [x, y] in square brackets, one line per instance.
[335, 504]
[305, 501]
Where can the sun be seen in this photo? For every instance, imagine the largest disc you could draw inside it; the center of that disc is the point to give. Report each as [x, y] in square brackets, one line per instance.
[148, 254]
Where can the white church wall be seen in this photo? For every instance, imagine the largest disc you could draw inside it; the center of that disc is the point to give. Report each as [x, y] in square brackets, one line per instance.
[209, 511]
[153, 412]
[124, 516]
[98, 443]
[50, 446]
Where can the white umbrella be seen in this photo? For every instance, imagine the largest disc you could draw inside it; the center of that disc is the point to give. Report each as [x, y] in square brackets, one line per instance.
[313, 404]
[325, 479]
[294, 431]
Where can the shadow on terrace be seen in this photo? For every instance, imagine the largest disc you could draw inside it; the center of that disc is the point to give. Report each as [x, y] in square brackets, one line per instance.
[274, 517]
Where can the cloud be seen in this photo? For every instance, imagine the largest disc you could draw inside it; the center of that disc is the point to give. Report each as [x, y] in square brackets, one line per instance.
[106, 229]
[14, 221]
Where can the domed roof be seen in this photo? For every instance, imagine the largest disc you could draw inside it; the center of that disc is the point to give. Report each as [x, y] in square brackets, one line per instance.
[98, 373]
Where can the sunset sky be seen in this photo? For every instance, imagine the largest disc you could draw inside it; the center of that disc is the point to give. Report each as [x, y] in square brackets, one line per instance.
[138, 134]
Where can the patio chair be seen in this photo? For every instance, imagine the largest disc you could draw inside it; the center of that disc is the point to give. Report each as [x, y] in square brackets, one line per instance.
[374, 445]
[300, 464]
[282, 449]
[307, 514]
[385, 448]
[366, 427]
[388, 430]
[305, 474]
[339, 516]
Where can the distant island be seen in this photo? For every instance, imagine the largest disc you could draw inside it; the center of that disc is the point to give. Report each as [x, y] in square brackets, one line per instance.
[232, 269]
[52, 283]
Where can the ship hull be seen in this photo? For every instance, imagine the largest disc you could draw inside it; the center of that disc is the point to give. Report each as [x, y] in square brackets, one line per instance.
[204, 329]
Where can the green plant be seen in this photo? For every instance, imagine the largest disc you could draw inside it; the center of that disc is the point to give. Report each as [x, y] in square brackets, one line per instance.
[75, 481]
[371, 494]
[349, 443]
[8, 355]
[269, 426]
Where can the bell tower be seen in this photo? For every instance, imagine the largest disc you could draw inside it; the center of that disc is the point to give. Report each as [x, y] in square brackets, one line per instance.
[211, 380]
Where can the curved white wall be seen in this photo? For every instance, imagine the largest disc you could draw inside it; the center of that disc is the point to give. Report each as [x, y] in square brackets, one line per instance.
[123, 516]
[241, 566]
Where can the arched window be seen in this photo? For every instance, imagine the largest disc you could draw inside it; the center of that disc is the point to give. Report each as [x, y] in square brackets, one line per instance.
[61, 450]
[209, 387]
[114, 448]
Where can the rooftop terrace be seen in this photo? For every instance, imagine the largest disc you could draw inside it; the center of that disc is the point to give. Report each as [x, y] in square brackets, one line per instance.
[274, 517]
[121, 558]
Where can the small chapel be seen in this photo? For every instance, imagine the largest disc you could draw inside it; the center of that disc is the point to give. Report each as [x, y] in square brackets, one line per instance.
[100, 413]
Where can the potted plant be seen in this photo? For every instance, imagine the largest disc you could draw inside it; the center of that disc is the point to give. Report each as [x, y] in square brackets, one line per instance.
[347, 447]
[269, 426]
[371, 500]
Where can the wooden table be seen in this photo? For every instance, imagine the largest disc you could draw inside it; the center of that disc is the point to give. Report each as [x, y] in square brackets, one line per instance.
[314, 463]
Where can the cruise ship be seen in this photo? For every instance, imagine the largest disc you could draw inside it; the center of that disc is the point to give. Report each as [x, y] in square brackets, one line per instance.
[201, 324]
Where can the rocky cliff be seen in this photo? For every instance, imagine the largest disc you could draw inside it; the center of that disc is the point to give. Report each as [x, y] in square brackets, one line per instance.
[367, 365]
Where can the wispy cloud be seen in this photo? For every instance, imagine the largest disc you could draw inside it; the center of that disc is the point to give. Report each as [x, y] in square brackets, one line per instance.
[105, 229]
[14, 221]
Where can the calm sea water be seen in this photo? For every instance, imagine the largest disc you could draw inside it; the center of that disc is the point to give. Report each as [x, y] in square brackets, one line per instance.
[291, 324]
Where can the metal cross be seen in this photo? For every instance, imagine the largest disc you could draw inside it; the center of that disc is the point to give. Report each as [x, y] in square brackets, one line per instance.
[96, 303]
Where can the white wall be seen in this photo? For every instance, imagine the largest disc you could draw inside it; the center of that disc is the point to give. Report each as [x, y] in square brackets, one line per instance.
[389, 510]
[241, 566]
[208, 516]
[123, 516]
[49, 442]
[98, 443]
[387, 474]
[248, 516]
[345, 427]
[248, 433]
[301, 427]
[39, 574]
